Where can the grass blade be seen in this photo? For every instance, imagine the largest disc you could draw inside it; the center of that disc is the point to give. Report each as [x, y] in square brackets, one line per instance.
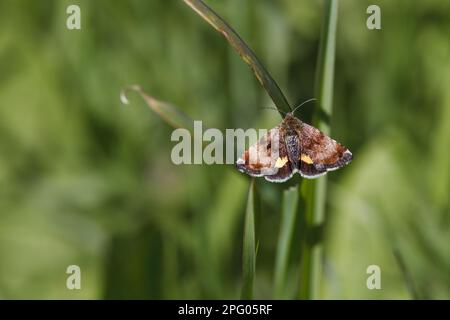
[409, 282]
[249, 246]
[314, 191]
[244, 51]
[288, 215]
[168, 112]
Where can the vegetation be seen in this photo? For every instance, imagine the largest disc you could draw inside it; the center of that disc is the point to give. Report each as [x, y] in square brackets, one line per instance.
[85, 180]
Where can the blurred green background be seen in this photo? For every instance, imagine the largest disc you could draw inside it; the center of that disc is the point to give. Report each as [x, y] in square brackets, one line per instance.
[85, 180]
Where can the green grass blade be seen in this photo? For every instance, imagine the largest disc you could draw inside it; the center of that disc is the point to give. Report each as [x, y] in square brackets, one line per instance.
[249, 246]
[168, 112]
[244, 51]
[407, 276]
[314, 192]
[288, 214]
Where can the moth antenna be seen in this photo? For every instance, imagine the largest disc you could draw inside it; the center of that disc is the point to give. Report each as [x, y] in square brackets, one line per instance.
[312, 99]
[271, 108]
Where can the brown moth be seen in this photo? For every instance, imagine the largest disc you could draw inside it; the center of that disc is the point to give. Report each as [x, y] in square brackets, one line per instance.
[293, 146]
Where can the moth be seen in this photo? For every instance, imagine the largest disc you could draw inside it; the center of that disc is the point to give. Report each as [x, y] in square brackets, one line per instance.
[293, 146]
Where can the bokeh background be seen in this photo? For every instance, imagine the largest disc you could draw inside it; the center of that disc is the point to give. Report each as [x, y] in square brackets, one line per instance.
[85, 180]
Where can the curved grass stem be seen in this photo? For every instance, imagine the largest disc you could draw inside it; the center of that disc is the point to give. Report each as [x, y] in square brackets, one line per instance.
[244, 51]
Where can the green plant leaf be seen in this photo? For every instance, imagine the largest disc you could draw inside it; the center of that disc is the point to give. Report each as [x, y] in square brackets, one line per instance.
[244, 51]
[313, 192]
[409, 282]
[168, 112]
[249, 246]
[288, 214]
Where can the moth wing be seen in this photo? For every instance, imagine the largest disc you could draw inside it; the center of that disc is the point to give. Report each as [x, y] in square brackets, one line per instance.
[284, 167]
[267, 157]
[320, 153]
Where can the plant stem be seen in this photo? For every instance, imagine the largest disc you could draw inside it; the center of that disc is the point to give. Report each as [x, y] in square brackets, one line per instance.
[288, 215]
[406, 274]
[314, 192]
[249, 245]
[244, 51]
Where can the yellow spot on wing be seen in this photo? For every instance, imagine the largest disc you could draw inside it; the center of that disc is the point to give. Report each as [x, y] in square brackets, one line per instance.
[281, 162]
[305, 158]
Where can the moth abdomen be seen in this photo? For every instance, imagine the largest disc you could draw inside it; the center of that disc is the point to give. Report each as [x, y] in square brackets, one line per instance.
[293, 149]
